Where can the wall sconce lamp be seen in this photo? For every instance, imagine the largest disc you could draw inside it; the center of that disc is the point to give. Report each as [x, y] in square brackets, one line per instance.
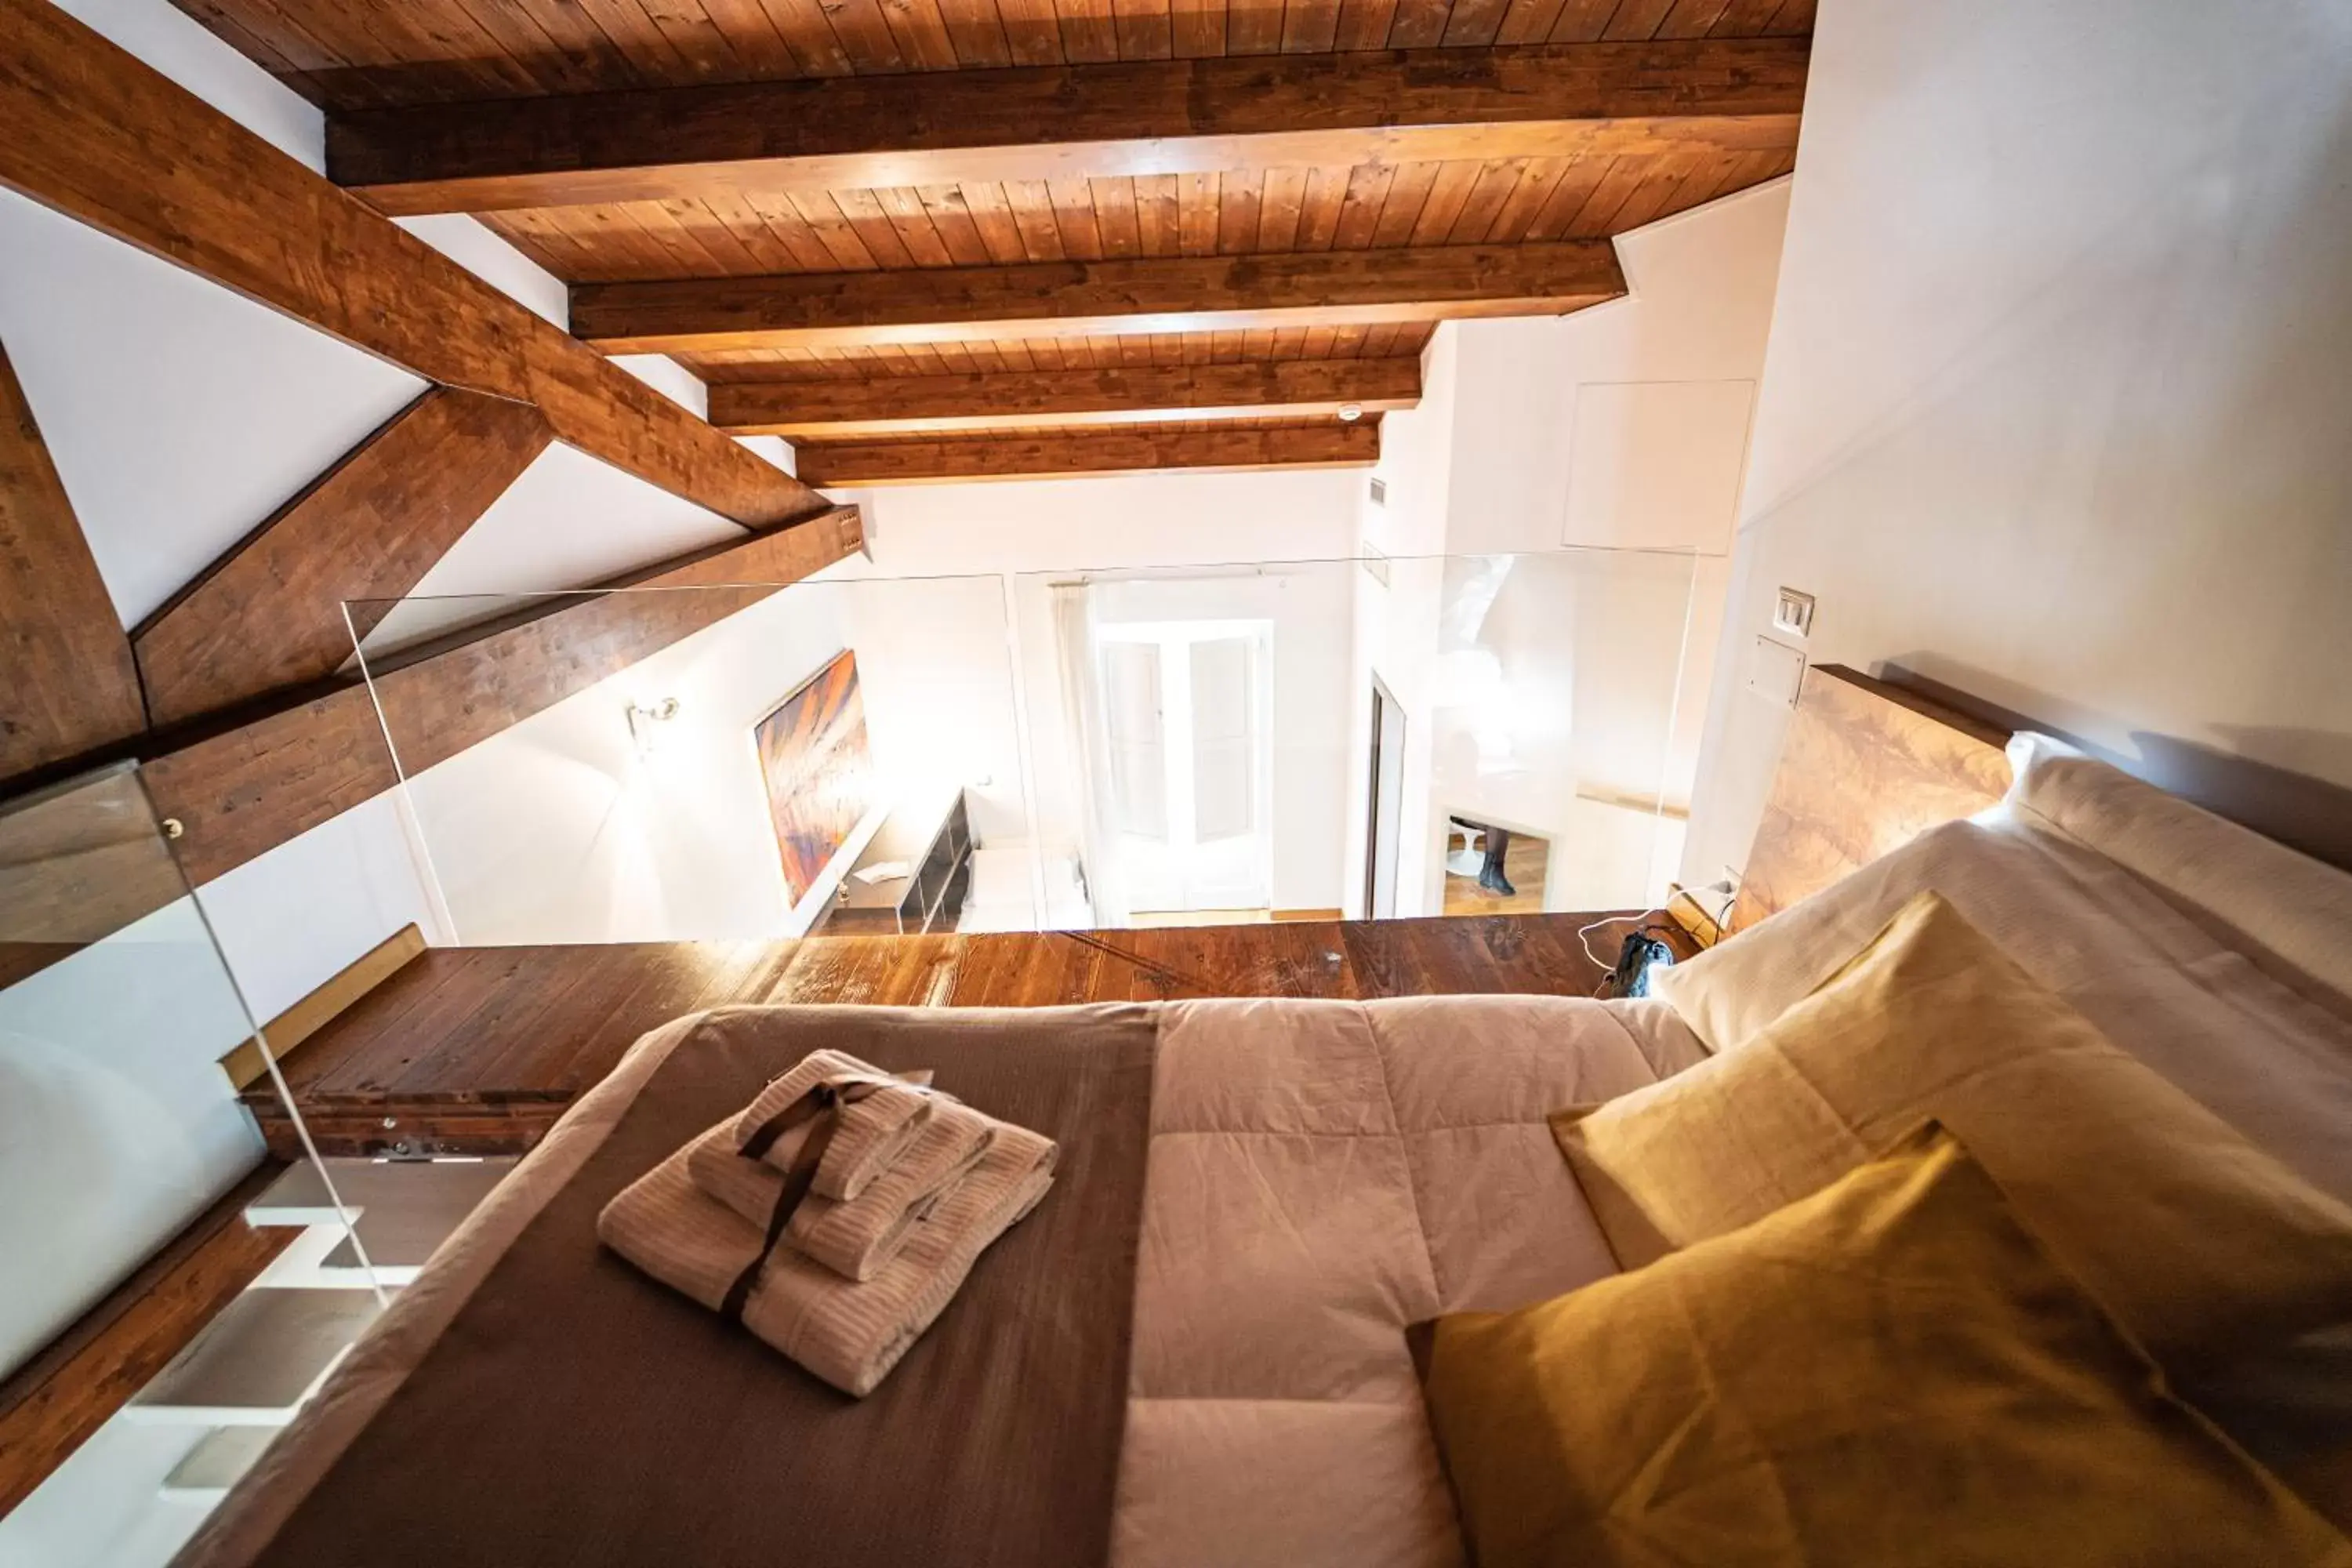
[646, 721]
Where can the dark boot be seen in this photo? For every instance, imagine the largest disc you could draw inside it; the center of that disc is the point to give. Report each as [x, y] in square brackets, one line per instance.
[1490, 875]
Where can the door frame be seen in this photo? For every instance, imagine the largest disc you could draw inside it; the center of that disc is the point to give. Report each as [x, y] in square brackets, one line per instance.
[1382, 696]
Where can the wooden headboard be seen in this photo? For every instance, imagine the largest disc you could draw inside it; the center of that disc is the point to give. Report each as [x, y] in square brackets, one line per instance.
[1866, 767]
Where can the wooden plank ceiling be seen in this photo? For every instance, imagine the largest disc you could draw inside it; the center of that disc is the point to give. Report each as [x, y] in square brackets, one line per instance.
[766, 190]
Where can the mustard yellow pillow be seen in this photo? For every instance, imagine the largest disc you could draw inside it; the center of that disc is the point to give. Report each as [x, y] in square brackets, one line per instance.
[1890, 1372]
[2197, 1241]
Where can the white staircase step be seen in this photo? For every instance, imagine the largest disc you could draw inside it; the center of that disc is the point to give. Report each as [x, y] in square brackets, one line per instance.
[217, 1462]
[447, 1190]
[342, 1267]
[255, 1363]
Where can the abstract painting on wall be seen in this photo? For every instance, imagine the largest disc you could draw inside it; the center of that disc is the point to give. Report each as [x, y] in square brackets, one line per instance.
[818, 771]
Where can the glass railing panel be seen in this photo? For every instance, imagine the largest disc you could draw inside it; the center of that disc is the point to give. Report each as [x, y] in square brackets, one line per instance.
[866, 754]
[129, 1164]
[1280, 739]
[716, 763]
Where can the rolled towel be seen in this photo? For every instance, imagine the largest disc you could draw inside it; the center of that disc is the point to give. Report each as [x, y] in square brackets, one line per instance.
[871, 1133]
[856, 1238]
[849, 1334]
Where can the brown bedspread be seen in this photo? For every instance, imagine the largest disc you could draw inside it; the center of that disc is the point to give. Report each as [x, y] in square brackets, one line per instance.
[576, 1411]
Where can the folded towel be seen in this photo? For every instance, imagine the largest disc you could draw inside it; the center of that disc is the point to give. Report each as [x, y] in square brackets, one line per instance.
[849, 1334]
[870, 1134]
[858, 1238]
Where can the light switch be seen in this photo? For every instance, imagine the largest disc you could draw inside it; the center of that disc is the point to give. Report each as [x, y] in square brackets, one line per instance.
[1775, 671]
[1793, 613]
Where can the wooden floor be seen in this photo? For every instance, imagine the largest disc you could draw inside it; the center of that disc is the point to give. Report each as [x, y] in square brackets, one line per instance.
[1524, 863]
[479, 1051]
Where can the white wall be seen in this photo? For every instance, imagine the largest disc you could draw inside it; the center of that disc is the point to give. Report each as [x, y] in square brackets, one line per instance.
[1536, 693]
[2054, 411]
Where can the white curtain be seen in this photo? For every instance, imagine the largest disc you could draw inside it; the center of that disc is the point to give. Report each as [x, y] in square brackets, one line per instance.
[1089, 752]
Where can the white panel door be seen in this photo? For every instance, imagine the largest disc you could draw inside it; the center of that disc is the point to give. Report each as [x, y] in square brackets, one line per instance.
[1186, 711]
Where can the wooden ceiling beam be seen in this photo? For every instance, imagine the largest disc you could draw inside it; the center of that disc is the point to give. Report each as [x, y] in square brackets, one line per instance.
[1078, 299]
[270, 613]
[1117, 449]
[88, 130]
[67, 684]
[926, 128]
[836, 410]
[241, 793]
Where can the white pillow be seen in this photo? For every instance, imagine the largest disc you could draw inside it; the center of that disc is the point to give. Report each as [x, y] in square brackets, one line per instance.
[2270, 901]
[2258, 1054]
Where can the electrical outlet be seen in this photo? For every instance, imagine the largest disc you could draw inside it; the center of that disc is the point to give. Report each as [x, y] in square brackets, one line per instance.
[1792, 613]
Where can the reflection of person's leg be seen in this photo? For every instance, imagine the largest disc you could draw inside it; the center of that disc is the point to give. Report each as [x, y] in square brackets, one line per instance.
[1490, 875]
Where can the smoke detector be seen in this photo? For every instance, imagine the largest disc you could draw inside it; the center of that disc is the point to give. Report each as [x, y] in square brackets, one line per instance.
[1350, 412]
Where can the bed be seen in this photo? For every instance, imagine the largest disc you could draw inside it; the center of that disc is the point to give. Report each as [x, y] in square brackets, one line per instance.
[1318, 1175]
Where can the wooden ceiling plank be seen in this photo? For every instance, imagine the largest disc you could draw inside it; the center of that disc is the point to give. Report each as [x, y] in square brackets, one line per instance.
[1089, 32]
[700, 41]
[1032, 210]
[920, 27]
[1073, 214]
[1693, 18]
[102, 138]
[1474, 24]
[1158, 220]
[1419, 24]
[944, 206]
[1364, 24]
[991, 213]
[1240, 203]
[1145, 389]
[1359, 208]
[1117, 222]
[1634, 20]
[823, 217]
[1615, 188]
[1252, 27]
[865, 36]
[913, 226]
[517, 33]
[242, 793]
[1198, 28]
[1045, 454]
[1075, 300]
[1582, 21]
[1318, 208]
[269, 615]
[977, 34]
[1753, 19]
[1528, 22]
[67, 684]
[1447, 197]
[1310, 26]
[875, 226]
[1190, 116]
[802, 25]
[1031, 31]
[1281, 200]
[1401, 213]
[1537, 179]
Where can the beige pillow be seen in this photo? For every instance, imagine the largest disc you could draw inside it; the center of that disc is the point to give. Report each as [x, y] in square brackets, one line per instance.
[2187, 1233]
[1889, 1371]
